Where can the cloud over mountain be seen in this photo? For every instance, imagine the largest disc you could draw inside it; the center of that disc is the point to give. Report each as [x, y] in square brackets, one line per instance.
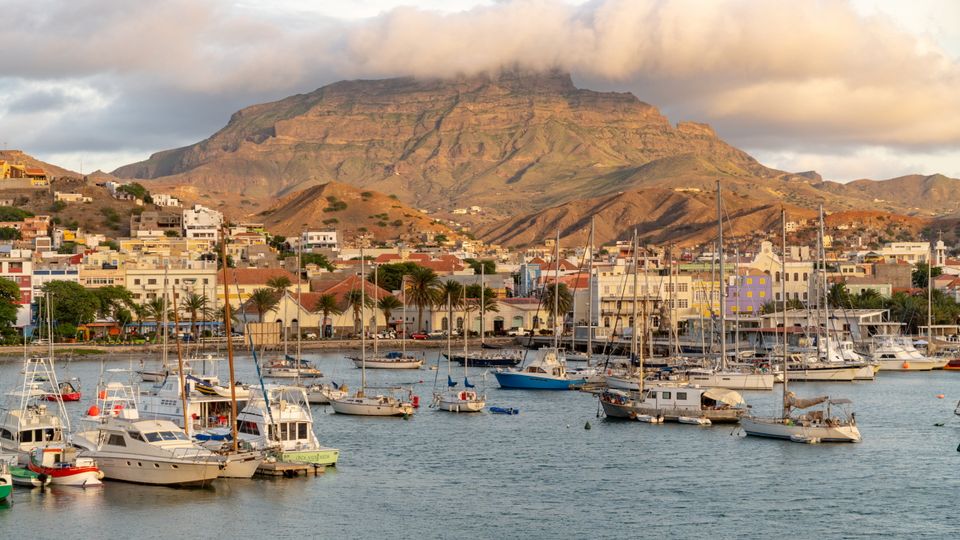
[811, 77]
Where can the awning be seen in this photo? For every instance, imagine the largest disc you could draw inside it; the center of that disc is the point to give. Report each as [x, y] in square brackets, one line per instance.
[723, 395]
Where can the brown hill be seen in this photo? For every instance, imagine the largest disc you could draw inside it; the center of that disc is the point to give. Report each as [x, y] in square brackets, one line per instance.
[19, 156]
[658, 215]
[352, 211]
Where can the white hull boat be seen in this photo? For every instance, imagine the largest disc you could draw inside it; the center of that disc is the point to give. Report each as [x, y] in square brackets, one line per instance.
[733, 380]
[779, 428]
[371, 406]
[390, 363]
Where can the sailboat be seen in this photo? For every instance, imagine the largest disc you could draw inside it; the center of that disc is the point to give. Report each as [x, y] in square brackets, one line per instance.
[630, 378]
[28, 426]
[360, 404]
[809, 427]
[467, 399]
[548, 370]
[488, 356]
[393, 359]
[741, 377]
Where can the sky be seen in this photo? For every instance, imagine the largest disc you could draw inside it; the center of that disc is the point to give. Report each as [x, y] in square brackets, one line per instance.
[849, 88]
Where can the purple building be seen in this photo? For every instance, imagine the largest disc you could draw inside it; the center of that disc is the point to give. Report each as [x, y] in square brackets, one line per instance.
[749, 294]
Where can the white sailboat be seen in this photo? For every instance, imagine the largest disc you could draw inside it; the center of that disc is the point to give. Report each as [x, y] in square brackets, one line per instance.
[809, 427]
[360, 404]
[392, 359]
[454, 400]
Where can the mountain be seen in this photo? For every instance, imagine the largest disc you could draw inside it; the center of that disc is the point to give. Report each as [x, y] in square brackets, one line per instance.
[349, 210]
[516, 141]
[53, 171]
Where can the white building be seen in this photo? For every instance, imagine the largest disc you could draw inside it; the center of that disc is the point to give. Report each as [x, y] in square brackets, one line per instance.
[202, 223]
[326, 239]
[164, 199]
[796, 279]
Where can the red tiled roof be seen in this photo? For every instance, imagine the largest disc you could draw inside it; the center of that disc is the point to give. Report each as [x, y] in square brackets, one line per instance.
[387, 257]
[537, 260]
[255, 276]
[350, 283]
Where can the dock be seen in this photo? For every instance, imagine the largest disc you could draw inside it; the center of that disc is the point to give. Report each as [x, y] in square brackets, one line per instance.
[289, 469]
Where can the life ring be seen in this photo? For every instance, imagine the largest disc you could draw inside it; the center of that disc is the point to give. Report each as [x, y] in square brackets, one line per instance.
[463, 396]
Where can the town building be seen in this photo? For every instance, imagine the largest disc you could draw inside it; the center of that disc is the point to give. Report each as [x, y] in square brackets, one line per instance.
[202, 223]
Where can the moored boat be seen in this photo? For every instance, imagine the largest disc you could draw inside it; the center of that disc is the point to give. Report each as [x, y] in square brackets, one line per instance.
[672, 402]
[64, 467]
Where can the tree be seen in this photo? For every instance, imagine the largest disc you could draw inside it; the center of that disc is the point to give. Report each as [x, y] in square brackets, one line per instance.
[390, 276]
[137, 190]
[920, 274]
[70, 302]
[452, 292]
[868, 299]
[387, 304]
[357, 300]
[564, 300]
[421, 291]
[489, 266]
[489, 297]
[279, 284]
[11, 213]
[9, 297]
[910, 310]
[326, 305]
[195, 304]
[111, 299]
[318, 259]
[154, 309]
[9, 233]
[263, 300]
[838, 296]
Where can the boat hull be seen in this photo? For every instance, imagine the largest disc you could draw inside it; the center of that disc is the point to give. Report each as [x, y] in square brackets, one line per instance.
[622, 383]
[71, 476]
[498, 361]
[157, 472]
[734, 381]
[535, 381]
[355, 408]
[775, 428]
[318, 456]
[388, 364]
[631, 412]
[836, 374]
[241, 465]
[456, 405]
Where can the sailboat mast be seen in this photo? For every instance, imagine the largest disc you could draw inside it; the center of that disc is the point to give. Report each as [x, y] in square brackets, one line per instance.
[635, 351]
[299, 303]
[722, 281]
[449, 333]
[482, 306]
[363, 324]
[590, 299]
[783, 295]
[929, 301]
[738, 283]
[556, 294]
[229, 331]
[376, 289]
[822, 255]
[176, 339]
[403, 300]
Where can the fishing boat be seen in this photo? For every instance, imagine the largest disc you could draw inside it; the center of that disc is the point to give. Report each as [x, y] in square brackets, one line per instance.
[145, 451]
[490, 358]
[6, 482]
[27, 421]
[64, 467]
[360, 404]
[453, 399]
[671, 402]
[807, 427]
[69, 391]
[281, 422]
[897, 353]
[546, 372]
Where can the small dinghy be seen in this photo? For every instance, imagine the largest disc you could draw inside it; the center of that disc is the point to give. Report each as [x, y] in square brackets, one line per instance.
[695, 420]
[648, 419]
[504, 410]
[804, 439]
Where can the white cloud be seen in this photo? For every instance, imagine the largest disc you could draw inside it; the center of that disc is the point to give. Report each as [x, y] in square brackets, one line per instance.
[778, 77]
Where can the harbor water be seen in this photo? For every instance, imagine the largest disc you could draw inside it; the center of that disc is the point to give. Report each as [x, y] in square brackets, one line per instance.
[541, 474]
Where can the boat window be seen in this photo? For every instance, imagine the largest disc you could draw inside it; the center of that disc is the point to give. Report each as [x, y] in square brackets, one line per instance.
[302, 430]
[248, 427]
[152, 437]
[652, 394]
[116, 440]
[181, 436]
[284, 434]
[272, 432]
[136, 436]
[6, 434]
[168, 436]
[26, 436]
[666, 395]
[681, 395]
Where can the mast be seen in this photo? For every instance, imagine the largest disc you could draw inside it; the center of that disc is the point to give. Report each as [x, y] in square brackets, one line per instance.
[363, 325]
[643, 307]
[556, 294]
[229, 331]
[299, 304]
[822, 255]
[590, 300]
[482, 321]
[783, 295]
[176, 339]
[723, 315]
[929, 303]
[635, 352]
[738, 283]
[403, 300]
[449, 335]
[376, 289]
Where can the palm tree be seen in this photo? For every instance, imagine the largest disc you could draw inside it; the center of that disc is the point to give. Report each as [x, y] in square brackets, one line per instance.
[453, 291]
[356, 300]
[838, 296]
[387, 304]
[263, 300]
[279, 284]
[194, 304]
[327, 305]
[868, 299]
[154, 309]
[422, 290]
[564, 300]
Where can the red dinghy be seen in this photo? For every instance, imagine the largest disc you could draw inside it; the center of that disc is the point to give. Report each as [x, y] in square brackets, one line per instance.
[68, 391]
[64, 467]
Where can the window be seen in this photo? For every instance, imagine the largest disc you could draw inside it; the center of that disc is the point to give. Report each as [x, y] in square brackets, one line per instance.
[116, 440]
[6, 434]
[777, 276]
[152, 437]
[777, 296]
[749, 294]
[666, 395]
[151, 281]
[749, 281]
[284, 433]
[136, 281]
[762, 281]
[805, 276]
[681, 395]
[763, 294]
[796, 276]
[302, 430]
[136, 436]
[26, 436]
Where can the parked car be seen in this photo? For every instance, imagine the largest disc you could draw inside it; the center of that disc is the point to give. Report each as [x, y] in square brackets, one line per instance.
[517, 331]
[437, 334]
[419, 335]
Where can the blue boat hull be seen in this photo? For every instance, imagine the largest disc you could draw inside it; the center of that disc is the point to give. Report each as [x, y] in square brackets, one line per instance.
[524, 381]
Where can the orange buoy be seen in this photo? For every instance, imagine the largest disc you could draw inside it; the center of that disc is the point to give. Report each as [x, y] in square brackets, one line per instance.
[939, 396]
[102, 394]
[93, 411]
[906, 365]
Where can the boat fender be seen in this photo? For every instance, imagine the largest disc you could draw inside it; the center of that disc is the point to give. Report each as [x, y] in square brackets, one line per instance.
[905, 365]
[587, 425]
[93, 411]
[939, 396]
[415, 401]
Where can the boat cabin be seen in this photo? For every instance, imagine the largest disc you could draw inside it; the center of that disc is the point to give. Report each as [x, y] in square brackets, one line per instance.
[22, 430]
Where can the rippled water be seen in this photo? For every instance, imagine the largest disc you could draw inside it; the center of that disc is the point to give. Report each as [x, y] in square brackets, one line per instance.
[541, 474]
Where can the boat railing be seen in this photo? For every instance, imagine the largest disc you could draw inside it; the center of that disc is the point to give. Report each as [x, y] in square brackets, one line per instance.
[193, 454]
